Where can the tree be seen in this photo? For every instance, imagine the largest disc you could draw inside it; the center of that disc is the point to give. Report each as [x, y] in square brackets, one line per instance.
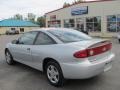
[66, 4]
[18, 17]
[31, 17]
[41, 21]
[74, 2]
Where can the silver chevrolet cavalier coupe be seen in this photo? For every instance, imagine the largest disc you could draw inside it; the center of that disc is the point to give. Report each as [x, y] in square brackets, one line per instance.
[61, 53]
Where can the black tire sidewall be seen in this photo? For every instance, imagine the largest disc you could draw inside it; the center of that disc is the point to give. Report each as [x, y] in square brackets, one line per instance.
[61, 78]
[119, 40]
[11, 58]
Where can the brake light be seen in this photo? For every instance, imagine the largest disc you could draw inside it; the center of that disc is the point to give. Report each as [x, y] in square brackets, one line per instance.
[93, 51]
[81, 54]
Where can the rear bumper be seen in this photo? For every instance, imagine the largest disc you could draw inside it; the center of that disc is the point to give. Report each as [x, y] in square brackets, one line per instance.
[86, 69]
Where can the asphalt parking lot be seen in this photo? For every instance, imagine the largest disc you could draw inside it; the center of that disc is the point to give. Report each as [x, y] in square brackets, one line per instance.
[21, 77]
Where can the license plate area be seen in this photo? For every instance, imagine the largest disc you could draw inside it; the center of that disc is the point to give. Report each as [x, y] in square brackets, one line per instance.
[108, 66]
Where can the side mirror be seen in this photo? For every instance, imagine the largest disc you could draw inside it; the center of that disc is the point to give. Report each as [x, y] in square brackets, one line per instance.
[15, 42]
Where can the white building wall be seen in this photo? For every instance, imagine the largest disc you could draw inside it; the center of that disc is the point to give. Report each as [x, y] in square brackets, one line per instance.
[26, 29]
[102, 9]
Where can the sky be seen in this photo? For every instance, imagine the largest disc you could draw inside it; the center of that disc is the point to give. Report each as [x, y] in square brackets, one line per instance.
[9, 8]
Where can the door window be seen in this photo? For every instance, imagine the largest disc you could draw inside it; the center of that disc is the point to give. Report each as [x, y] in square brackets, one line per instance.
[44, 39]
[28, 38]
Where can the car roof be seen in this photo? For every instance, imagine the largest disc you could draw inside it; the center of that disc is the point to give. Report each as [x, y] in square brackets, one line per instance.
[47, 29]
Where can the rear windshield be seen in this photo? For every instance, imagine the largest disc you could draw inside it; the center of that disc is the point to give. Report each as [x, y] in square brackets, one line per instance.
[68, 36]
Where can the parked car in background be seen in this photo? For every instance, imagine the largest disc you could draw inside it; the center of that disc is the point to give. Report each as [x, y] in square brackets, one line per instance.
[61, 53]
[12, 32]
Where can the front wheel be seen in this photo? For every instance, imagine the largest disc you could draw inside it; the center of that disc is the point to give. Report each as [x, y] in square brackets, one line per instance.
[119, 40]
[54, 74]
[9, 58]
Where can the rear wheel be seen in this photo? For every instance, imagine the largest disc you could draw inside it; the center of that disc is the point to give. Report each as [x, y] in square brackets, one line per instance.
[9, 58]
[54, 74]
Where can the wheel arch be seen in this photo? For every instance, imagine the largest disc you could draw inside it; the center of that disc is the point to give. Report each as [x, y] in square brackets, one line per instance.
[48, 59]
[6, 49]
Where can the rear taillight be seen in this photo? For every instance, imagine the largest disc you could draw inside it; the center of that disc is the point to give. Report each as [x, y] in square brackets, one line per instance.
[93, 51]
[81, 54]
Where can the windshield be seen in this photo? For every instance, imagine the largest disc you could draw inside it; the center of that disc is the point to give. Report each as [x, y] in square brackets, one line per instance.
[67, 36]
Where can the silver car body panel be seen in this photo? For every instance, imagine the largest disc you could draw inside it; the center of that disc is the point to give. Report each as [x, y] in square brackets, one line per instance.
[72, 67]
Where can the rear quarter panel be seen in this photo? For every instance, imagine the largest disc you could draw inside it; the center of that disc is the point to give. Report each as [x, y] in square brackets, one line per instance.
[60, 52]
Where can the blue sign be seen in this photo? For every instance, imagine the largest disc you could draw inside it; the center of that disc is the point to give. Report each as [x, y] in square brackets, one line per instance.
[79, 10]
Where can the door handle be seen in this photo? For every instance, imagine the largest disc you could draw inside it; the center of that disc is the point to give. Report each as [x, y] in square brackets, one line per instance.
[28, 49]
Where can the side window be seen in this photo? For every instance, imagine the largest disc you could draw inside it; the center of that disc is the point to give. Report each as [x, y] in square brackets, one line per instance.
[28, 38]
[21, 29]
[44, 39]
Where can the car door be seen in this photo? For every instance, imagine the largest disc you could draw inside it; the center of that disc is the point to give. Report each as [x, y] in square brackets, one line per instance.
[22, 50]
[42, 45]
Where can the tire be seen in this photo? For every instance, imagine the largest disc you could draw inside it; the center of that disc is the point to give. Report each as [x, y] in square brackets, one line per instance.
[119, 40]
[9, 58]
[54, 74]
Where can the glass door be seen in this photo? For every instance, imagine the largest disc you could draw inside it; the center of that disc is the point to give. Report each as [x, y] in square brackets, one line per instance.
[80, 24]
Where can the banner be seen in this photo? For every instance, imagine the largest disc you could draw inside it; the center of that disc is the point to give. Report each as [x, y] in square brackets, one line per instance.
[79, 10]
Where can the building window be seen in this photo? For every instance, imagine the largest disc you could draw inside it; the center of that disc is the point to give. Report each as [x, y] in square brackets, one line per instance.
[69, 23]
[56, 23]
[21, 29]
[93, 24]
[113, 23]
[118, 23]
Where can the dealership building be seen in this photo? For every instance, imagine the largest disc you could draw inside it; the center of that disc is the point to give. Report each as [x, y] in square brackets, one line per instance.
[99, 18]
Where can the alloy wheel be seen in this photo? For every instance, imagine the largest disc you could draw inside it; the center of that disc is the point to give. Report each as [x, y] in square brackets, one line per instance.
[53, 74]
[8, 57]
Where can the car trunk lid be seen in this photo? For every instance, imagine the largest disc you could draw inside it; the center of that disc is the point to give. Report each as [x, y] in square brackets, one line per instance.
[95, 48]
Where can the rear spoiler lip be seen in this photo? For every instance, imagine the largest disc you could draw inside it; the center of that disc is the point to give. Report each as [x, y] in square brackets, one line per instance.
[100, 43]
